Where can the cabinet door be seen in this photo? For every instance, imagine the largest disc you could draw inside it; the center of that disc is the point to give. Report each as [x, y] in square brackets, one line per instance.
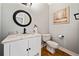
[19, 48]
[35, 46]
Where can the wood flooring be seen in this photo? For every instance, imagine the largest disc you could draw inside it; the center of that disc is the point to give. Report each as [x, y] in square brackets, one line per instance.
[45, 52]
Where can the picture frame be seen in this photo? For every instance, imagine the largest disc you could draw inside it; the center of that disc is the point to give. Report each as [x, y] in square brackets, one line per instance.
[62, 16]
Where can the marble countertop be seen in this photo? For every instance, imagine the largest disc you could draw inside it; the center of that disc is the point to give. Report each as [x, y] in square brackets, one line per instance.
[14, 37]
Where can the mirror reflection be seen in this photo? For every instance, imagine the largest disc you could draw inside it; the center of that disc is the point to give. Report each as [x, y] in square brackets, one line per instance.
[22, 18]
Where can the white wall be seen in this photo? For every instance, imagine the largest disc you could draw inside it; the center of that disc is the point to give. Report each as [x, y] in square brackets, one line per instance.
[40, 13]
[70, 31]
[39, 17]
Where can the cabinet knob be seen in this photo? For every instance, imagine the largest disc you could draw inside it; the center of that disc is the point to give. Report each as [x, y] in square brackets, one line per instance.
[29, 48]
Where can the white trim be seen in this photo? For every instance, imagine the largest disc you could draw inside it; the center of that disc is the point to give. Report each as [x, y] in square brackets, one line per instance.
[68, 51]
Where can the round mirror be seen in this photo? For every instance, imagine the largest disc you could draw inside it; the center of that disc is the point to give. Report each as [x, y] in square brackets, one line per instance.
[22, 18]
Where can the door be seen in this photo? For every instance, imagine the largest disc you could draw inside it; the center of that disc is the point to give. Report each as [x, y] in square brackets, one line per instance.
[35, 46]
[19, 48]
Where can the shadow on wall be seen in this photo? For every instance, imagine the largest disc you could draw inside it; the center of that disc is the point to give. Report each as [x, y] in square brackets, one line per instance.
[1, 50]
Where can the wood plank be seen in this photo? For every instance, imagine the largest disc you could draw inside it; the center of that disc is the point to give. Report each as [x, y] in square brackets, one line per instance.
[45, 52]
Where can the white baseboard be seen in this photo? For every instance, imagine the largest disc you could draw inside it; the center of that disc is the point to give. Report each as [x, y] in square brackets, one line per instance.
[68, 51]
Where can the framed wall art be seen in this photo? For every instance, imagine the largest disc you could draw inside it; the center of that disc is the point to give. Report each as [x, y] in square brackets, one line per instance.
[62, 16]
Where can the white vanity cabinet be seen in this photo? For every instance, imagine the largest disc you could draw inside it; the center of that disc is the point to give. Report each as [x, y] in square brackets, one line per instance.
[30, 46]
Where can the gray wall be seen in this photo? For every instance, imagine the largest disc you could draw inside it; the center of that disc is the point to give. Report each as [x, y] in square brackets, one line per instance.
[39, 13]
[70, 31]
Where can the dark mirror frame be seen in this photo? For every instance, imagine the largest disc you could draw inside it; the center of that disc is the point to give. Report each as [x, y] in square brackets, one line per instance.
[18, 11]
